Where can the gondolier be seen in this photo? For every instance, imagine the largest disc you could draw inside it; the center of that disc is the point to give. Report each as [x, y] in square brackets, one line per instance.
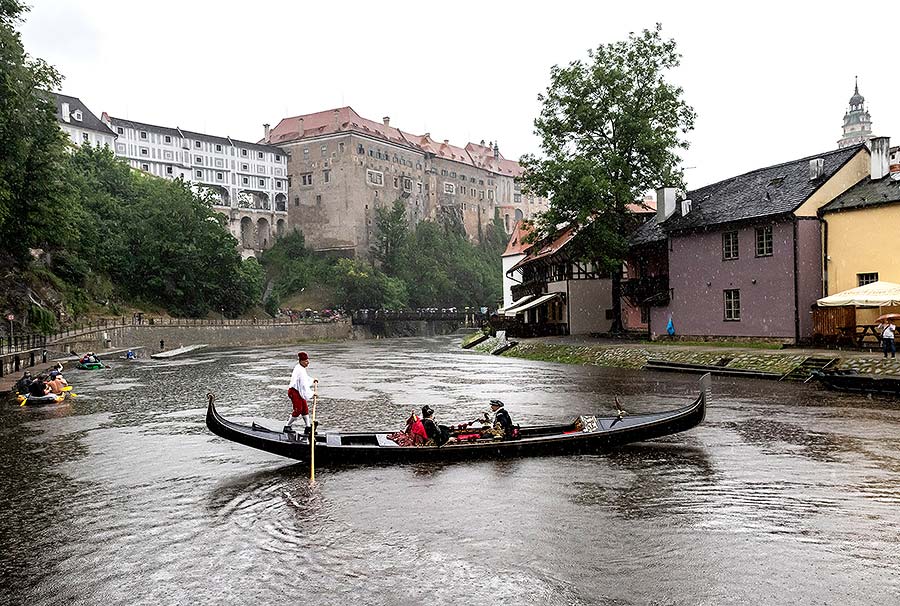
[300, 392]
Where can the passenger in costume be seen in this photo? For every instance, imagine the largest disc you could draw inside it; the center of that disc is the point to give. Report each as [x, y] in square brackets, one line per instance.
[300, 392]
[438, 434]
[502, 419]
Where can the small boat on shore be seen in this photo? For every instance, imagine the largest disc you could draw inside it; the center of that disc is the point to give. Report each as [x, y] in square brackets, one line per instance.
[852, 380]
[585, 434]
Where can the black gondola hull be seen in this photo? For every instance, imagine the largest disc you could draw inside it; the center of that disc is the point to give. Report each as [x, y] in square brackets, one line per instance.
[849, 380]
[369, 447]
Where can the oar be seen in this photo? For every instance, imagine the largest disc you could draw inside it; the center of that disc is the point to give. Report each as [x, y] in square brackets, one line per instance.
[312, 435]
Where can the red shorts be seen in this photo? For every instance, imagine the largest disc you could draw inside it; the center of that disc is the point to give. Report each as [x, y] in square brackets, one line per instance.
[300, 406]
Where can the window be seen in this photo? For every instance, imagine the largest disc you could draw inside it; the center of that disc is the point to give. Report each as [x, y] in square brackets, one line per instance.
[396, 182]
[144, 135]
[145, 167]
[360, 150]
[197, 144]
[120, 130]
[374, 177]
[218, 147]
[449, 188]
[729, 245]
[198, 159]
[733, 305]
[453, 174]
[296, 200]
[324, 150]
[419, 187]
[145, 151]
[306, 179]
[262, 182]
[443, 172]
[260, 155]
[517, 198]
[863, 279]
[341, 147]
[168, 139]
[245, 181]
[245, 167]
[85, 137]
[319, 199]
[407, 184]
[277, 184]
[326, 176]
[198, 174]
[220, 177]
[244, 152]
[764, 241]
[490, 194]
[169, 170]
[278, 158]
[371, 153]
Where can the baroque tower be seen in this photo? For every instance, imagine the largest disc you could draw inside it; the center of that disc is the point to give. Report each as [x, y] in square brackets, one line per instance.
[857, 121]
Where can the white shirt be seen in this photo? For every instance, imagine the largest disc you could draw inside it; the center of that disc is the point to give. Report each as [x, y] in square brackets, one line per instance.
[888, 332]
[301, 381]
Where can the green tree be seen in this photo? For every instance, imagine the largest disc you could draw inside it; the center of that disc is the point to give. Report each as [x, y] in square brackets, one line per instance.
[33, 197]
[392, 232]
[610, 130]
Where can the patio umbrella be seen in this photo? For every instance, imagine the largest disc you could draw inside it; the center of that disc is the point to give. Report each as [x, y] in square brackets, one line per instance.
[886, 317]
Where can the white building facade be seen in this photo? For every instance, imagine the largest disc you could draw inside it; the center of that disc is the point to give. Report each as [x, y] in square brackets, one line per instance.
[80, 124]
[248, 181]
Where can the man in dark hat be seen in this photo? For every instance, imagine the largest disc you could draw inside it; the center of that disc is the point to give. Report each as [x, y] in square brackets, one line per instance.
[502, 419]
[300, 392]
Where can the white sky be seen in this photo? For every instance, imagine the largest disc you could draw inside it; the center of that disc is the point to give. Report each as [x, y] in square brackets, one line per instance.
[770, 81]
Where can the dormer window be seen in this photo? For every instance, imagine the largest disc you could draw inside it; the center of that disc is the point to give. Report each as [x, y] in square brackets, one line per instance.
[77, 115]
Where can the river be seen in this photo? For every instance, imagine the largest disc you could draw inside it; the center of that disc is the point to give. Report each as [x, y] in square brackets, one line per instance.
[787, 494]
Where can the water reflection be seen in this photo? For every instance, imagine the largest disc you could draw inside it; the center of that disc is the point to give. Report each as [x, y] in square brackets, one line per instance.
[124, 497]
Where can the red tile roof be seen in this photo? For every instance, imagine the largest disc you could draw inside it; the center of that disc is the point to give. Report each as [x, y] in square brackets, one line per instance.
[547, 247]
[516, 245]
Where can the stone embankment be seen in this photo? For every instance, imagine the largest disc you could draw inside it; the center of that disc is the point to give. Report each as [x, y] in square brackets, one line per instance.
[616, 354]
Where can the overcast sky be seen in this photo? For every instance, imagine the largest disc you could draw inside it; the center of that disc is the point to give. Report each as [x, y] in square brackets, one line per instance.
[770, 81]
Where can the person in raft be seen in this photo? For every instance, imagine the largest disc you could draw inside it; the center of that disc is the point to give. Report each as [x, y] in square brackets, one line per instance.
[300, 392]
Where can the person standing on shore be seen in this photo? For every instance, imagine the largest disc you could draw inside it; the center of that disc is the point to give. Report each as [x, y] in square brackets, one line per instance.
[300, 392]
[887, 338]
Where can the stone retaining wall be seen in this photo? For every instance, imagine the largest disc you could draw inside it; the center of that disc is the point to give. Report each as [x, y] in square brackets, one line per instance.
[780, 362]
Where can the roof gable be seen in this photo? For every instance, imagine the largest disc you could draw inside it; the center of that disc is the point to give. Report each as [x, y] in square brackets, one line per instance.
[865, 194]
[88, 120]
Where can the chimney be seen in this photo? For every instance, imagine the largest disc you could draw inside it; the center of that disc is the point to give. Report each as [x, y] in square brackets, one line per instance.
[387, 120]
[65, 112]
[266, 131]
[665, 203]
[816, 168]
[482, 143]
[446, 141]
[880, 158]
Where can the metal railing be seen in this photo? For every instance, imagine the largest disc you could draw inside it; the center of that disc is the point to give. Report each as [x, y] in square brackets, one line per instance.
[20, 343]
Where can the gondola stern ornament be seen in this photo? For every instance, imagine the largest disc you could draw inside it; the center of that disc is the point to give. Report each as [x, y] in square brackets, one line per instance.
[619, 410]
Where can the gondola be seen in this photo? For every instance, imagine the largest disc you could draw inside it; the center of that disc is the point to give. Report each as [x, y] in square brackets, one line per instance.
[584, 435]
[852, 380]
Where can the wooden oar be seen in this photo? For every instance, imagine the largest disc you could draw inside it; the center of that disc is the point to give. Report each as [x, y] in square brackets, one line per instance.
[312, 435]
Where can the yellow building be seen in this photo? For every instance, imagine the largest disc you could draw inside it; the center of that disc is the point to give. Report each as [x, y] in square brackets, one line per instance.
[861, 239]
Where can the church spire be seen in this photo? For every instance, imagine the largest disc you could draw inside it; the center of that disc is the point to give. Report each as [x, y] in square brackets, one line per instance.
[857, 121]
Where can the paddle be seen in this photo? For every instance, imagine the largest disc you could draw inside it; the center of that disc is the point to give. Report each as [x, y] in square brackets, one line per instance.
[312, 434]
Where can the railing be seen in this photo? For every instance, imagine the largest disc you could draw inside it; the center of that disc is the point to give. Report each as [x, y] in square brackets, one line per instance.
[535, 288]
[19, 343]
[368, 316]
[101, 324]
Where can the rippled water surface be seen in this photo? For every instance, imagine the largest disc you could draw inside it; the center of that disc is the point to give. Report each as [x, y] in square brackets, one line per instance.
[787, 494]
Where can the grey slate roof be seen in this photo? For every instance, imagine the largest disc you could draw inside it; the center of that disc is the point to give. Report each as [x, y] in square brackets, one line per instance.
[866, 193]
[180, 132]
[764, 192]
[775, 190]
[88, 120]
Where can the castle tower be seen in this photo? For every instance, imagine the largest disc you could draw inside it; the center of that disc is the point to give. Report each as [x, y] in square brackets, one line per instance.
[857, 121]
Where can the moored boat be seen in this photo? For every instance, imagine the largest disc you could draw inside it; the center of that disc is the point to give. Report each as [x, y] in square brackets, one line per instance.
[584, 435]
[851, 380]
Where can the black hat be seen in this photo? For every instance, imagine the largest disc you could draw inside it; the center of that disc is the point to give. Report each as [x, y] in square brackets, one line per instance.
[496, 403]
[427, 411]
